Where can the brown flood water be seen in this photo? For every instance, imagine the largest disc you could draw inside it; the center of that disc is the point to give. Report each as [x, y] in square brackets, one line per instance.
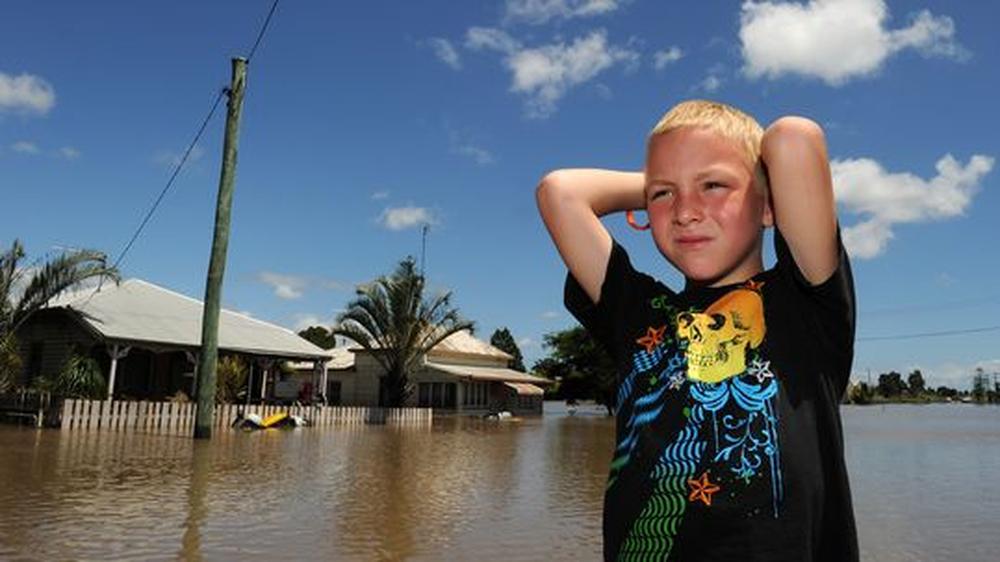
[462, 489]
[924, 481]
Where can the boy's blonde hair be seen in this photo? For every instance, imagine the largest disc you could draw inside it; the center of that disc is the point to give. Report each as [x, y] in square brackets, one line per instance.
[723, 119]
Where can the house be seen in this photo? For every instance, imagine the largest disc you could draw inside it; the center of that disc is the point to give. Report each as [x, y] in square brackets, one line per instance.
[147, 339]
[462, 374]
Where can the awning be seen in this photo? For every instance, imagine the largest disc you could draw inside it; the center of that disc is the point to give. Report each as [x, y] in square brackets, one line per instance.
[497, 374]
[525, 389]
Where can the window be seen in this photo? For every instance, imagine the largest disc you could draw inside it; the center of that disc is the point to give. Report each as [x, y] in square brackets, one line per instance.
[436, 395]
[475, 394]
[333, 393]
[35, 360]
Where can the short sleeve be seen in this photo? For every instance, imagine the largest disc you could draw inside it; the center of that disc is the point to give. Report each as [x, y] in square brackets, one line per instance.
[831, 308]
[622, 295]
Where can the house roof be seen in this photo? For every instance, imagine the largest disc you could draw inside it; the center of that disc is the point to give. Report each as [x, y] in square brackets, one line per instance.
[488, 373]
[460, 345]
[524, 388]
[139, 311]
[342, 358]
[464, 343]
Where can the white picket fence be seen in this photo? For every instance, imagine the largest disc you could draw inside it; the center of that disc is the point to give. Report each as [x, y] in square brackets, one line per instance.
[170, 418]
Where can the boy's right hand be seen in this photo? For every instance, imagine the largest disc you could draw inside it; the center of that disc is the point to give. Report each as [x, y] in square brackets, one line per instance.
[571, 202]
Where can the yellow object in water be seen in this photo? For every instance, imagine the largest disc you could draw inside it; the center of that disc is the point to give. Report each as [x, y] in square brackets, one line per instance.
[274, 419]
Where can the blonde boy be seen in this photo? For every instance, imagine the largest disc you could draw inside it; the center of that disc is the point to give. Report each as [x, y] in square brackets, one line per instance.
[729, 442]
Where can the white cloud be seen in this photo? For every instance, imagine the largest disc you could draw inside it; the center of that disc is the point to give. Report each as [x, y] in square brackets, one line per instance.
[294, 286]
[445, 52]
[285, 286]
[711, 83]
[69, 153]
[379, 195]
[662, 58]
[25, 147]
[26, 92]
[834, 40]
[544, 74]
[479, 155]
[400, 218]
[461, 144]
[867, 239]
[945, 279]
[550, 314]
[713, 79]
[479, 38]
[172, 159]
[526, 342]
[604, 91]
[883, 198]
[541, 11]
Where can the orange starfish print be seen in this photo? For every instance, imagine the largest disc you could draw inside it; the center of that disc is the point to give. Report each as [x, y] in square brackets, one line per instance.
[702, 489]
[653, 338]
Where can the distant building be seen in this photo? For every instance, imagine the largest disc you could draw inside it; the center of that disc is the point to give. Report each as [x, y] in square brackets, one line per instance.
[461, 374]
[146, 338]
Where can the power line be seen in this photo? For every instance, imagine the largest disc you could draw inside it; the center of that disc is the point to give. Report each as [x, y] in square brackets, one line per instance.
[930, 334]
[170, 181]
[190, 148]
[263, 29]
[187, 153]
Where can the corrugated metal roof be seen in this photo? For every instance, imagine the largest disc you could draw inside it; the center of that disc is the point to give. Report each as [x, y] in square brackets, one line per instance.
[343, 358]
[464, 342]
[525, 389]
[461, 343]
[137, 310]
[489, 373]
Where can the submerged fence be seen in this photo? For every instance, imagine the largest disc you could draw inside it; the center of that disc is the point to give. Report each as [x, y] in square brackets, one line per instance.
[27, 407]
[170, 418]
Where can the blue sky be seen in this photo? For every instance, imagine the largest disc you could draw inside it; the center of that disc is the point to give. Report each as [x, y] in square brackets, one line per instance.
[364, 120]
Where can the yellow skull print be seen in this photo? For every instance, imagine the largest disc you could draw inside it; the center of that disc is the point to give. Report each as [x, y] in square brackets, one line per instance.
[717, 339]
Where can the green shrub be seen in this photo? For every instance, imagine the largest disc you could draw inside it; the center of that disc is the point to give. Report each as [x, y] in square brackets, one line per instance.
[10, 362]
[81, 377]
[230, 380]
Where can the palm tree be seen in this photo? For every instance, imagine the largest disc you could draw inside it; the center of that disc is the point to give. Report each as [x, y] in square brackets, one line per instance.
[25, 290]
[391, 319]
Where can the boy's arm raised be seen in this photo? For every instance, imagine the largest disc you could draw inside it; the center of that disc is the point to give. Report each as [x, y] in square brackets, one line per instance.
[571, 202]
[794, 151]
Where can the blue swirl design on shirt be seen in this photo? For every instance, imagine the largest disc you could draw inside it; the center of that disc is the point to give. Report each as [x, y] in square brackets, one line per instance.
[643, 409]
[744, 438]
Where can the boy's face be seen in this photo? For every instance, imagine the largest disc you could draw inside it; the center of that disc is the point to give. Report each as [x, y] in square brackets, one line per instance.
[707, 218]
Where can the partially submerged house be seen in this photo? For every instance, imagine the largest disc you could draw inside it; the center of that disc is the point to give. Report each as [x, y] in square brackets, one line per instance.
[461, 374]
[146, 338]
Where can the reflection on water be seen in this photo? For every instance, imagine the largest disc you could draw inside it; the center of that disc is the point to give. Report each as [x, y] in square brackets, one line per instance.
[462, 489]
[925, 481]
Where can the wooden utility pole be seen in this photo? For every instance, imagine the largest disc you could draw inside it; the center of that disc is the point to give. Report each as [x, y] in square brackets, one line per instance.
[423, 248]
[217, 264]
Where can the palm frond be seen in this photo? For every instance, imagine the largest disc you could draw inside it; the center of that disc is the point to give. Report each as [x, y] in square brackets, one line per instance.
[390, 318]
[20, 299]
[54, 277]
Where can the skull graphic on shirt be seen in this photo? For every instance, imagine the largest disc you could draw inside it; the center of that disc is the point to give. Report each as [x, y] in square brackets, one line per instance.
[718, 338]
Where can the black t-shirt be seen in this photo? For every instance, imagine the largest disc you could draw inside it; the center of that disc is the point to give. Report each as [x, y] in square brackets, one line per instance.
[728, 436]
